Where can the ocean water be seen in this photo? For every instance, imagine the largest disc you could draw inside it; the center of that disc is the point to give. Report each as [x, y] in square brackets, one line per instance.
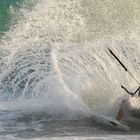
[57, 77]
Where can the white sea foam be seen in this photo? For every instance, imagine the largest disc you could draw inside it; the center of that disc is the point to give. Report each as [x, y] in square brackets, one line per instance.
[56, 58]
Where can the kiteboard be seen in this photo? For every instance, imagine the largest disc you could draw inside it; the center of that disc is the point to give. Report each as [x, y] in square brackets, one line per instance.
[110, 121]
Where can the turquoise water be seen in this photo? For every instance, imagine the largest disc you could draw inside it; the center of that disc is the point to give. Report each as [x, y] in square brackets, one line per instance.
[10, 12]
[5, 15]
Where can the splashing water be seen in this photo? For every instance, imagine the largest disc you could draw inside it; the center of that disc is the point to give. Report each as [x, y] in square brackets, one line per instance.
[55, 58]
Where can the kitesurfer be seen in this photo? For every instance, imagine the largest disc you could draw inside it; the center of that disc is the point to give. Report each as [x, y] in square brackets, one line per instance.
[129, 106]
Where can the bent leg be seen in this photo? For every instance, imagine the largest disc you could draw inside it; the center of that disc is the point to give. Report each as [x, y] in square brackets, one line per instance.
[121, 112]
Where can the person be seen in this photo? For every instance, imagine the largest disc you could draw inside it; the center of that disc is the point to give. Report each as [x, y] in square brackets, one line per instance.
[130, 105]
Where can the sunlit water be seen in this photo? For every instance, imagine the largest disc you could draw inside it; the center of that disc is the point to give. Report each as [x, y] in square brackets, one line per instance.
[56, 70]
